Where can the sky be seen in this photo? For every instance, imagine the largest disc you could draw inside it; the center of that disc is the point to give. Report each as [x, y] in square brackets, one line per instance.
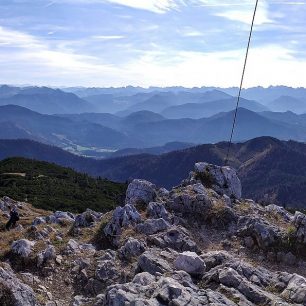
[145, 43]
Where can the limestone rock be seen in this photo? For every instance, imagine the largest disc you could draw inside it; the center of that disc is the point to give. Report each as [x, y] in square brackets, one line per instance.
[300, 224]
[132, 248]
[157, 210]
[176, 238]
[152, 262]
[263, 233]
[191, 263]
[161, 291]
[223, 180]
[22, 247]
[122, 218]
[87, 218]
[140, 191]
[152, 226]
[13, 292]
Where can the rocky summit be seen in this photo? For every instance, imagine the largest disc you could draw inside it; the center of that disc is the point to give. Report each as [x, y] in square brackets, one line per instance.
[197, 244]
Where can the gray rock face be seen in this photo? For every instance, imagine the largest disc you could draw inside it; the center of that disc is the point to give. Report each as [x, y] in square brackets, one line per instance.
[263, 233]
[145, 290]
[22, 247]
[87, 218]
[122, 217]
[151, 261]
[73, 247]
[132, 248]
[296, 290]
[300, 224]
[39, 220]
[106, 270]
[223, 180]
[191, 263]
[250, 284]
[13, 292]
[48, 254]
[152, 226]
[59, 217]
[190, 200]
[157, 210]
[140, 191]
[280, 211]
[176, 238]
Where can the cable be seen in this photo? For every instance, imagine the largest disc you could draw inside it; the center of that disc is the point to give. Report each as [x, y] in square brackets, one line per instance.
[241, 84]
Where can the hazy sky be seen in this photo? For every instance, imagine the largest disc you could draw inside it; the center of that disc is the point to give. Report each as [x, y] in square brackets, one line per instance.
[151, 42]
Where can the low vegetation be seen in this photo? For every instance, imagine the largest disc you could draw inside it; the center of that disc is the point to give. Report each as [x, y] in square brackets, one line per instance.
[52, 187]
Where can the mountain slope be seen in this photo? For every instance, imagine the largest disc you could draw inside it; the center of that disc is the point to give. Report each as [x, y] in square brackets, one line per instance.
[52, 187]
[270, 169]
[44, 100]
[200, 110]
[287, 103]
[62, 131]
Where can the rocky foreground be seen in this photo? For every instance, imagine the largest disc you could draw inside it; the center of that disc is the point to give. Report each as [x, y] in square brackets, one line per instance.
[198, 244]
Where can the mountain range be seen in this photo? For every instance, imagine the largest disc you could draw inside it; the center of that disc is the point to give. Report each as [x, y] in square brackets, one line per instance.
[271, 170]
[94, 133]
[43, 99]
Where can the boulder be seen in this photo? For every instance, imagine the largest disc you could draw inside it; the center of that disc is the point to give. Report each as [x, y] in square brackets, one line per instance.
[22, 247]
[295, 290]
[132, 248]
[299, 222]
[190, 200]
[87, 218]
[13, 292]
[280, 211]
[39, 220]
[152, 226]
[151, 261]
[191, 263]
[176, 238]
[265, 234]
[223, 180]
[140, 192]
[157, 210]
[48, 254]
[122, 217]
[106, 270]
[72, 247]
[156, 291]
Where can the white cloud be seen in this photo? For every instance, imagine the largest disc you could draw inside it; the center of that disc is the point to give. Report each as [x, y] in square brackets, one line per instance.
[25, 58]
[245, 12]
[107, 37]
[156, 6]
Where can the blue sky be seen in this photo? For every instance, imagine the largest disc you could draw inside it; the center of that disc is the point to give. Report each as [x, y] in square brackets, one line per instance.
[151, 42]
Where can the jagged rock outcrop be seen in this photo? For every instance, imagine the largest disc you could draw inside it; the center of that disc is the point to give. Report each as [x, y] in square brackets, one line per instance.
[176, 238]
[157, 210]
[22, 247]
[123, 217]
[140, 191]
[262, 232]
[146, 289]
[87, 218]
[300, 224]
[59, 217]
[152, 226]
[132, 248]
[191, 263]
[223, 180]
[13, 292]
[197, 244]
